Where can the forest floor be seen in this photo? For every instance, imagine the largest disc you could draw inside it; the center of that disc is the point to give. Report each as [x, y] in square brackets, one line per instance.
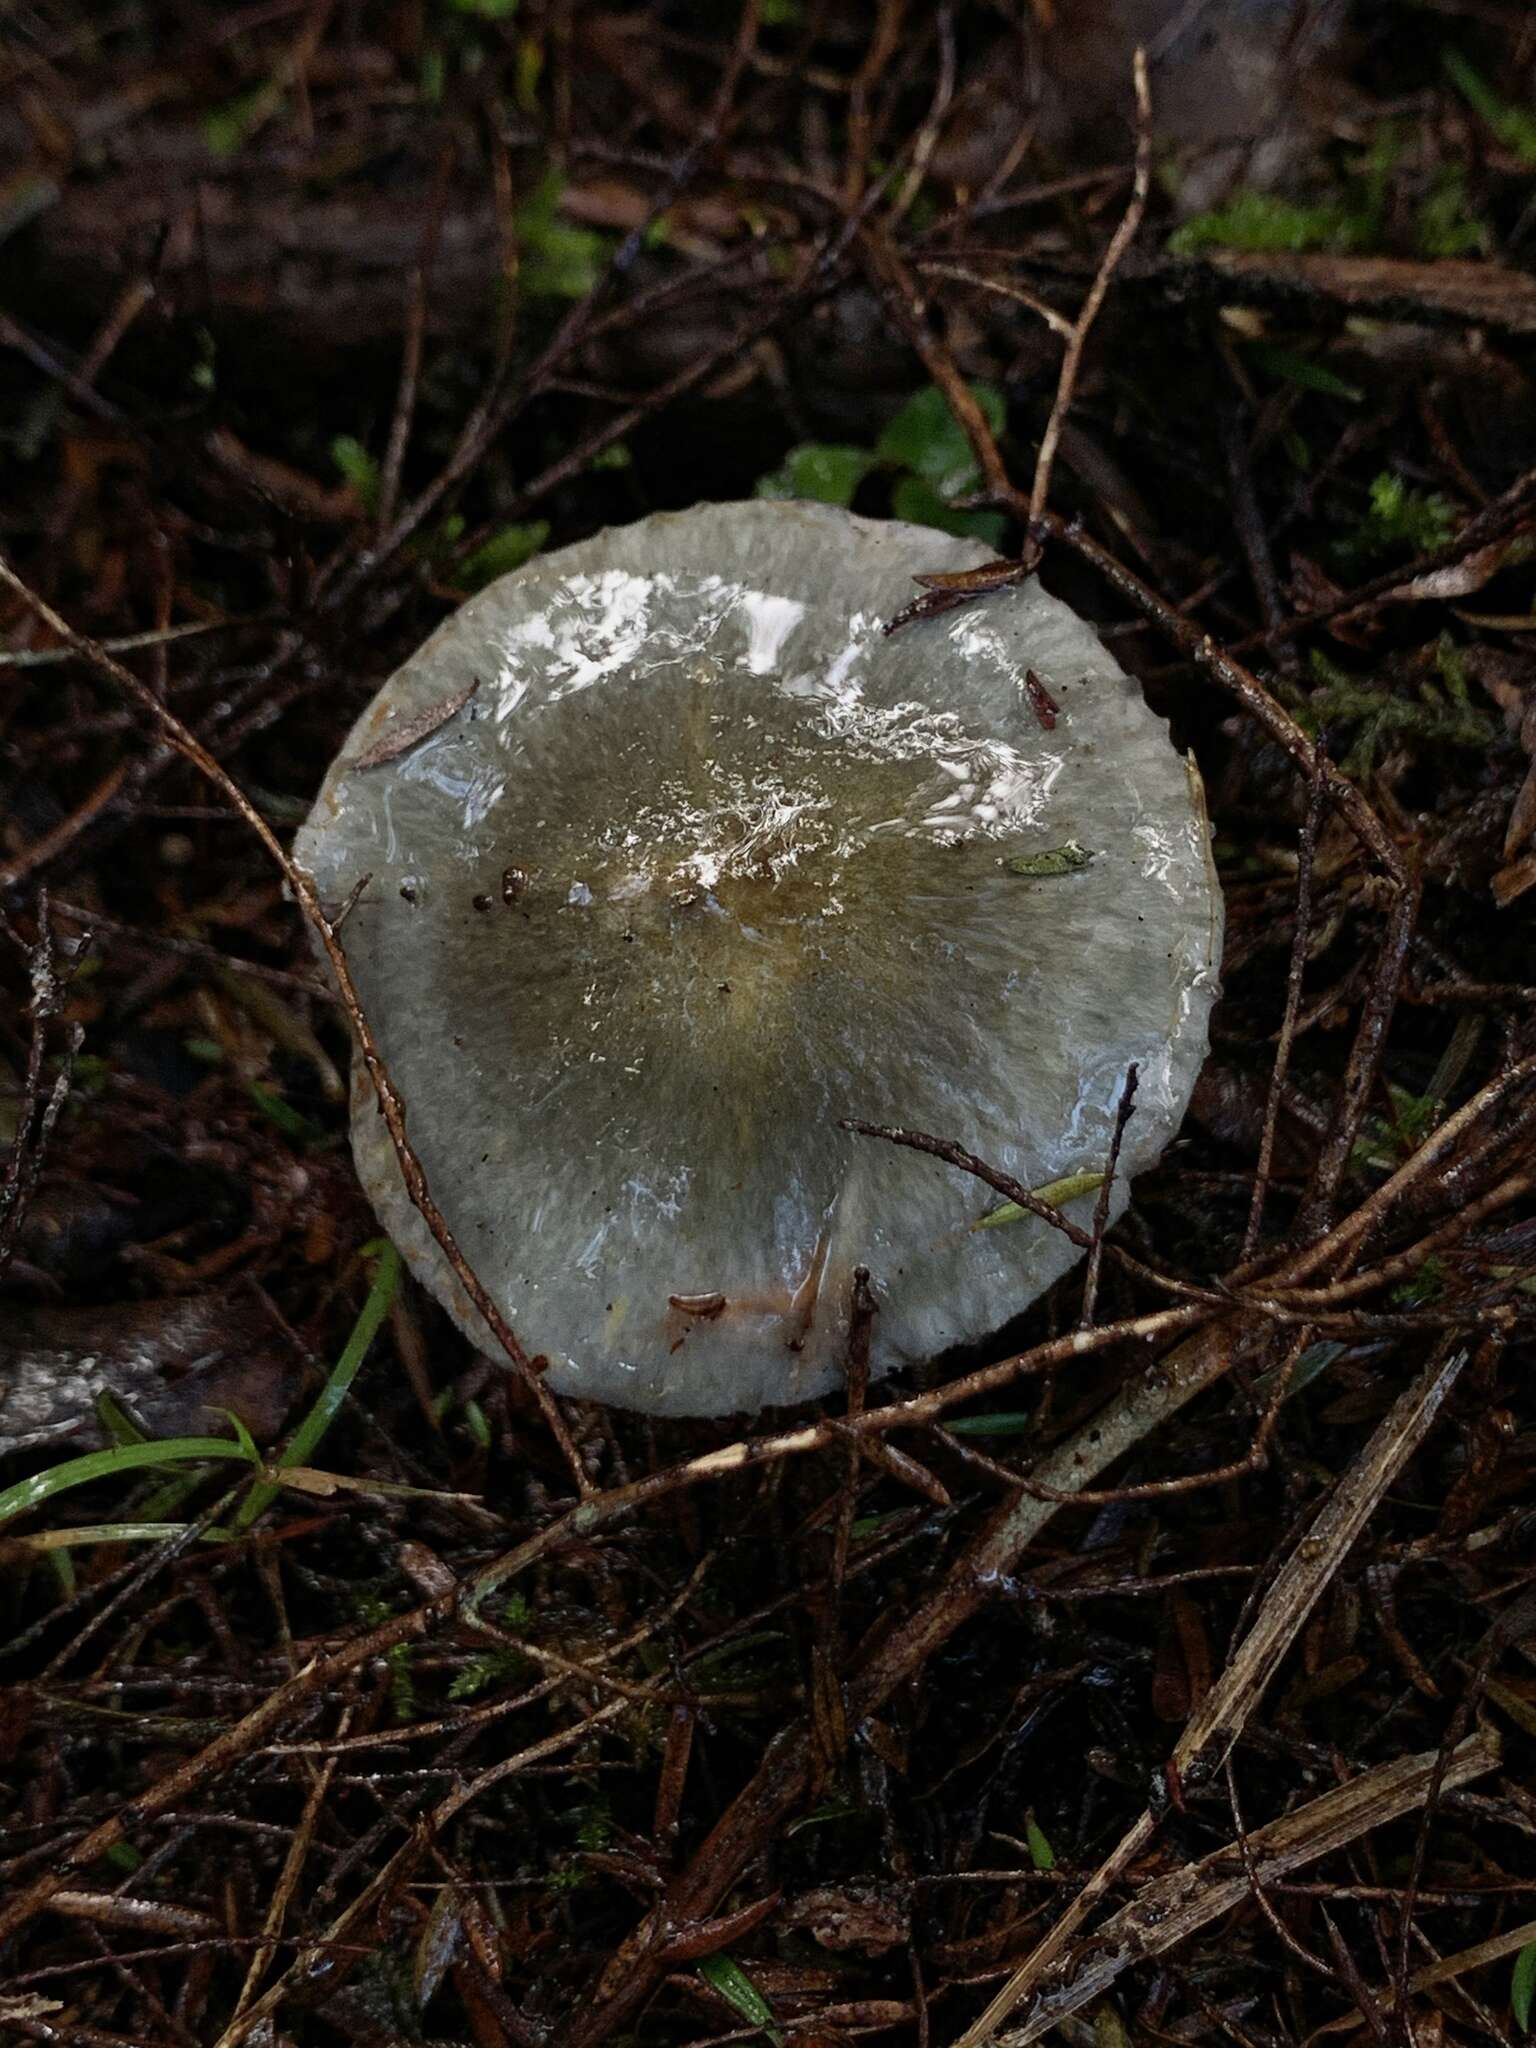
[852, 1723]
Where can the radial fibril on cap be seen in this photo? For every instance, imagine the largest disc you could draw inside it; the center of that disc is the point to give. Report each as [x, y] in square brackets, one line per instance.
[696, 862]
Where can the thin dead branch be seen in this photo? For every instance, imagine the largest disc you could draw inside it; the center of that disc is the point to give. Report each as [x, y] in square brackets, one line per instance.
[392, 1108]
[1119, 242]
[1222, 1715]
[1168, 1910]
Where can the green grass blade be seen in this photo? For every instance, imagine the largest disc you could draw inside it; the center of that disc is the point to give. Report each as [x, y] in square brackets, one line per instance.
[78, 1536]
[1056, 1192]
[1522, 1990]
[725, 1975]
[301, 1446]
[31, 1493]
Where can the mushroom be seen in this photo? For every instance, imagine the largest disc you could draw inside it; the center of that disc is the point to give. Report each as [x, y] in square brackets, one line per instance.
[674, 860]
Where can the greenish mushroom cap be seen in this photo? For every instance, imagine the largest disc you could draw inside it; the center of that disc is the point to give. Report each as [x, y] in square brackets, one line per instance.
[675, 860]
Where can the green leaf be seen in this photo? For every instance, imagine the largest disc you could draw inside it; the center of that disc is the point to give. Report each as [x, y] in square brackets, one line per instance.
[725, 1975]
[358, 468]
[926, 438]
[301, 1445]
[1008, 1422]
[507, 549]
[287, 1119]
[1056, 860]
[1041, 1854]
[1514, 126]
[227, 127]
[824, 470]
[557, 260]
[243, 1436]
[1311, 1365]
[1300, 369]
[116, 1423]
[1522, 1986]
[915, 500]
[487, 10]
[740, 1663]
[867, 1525]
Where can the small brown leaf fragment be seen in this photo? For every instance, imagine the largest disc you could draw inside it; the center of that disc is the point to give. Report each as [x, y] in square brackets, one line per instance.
[868, 1918]
[438, 1944]
[1458, 579]
[1182, 1677]
[426, 1571]
[703, 1305]
[996, 575]
[931, 605]
[1043, 704]
[396, 739]
[1514, 880]
[294, 493]
[1522, 816]
[676, 1752]
[945, 589]
[1508, 681]
[708, 1937]
[482, 1935]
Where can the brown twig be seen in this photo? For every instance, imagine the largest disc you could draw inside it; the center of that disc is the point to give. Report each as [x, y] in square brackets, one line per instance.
[1301, 939]
[1123, 1114]
[1119, 242]
[283, 1890]
[39, 1110]
[957, 273]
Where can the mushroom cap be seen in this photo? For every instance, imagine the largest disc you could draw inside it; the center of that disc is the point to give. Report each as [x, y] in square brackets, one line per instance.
[675, 859]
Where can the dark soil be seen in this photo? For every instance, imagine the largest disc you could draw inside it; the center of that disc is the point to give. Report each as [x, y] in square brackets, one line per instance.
[313, 317]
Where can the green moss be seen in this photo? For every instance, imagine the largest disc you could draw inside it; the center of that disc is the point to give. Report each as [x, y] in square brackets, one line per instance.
[1434, 717]
[1398, 519]
[1264, 221]
[359, 469]
[1446, 225]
